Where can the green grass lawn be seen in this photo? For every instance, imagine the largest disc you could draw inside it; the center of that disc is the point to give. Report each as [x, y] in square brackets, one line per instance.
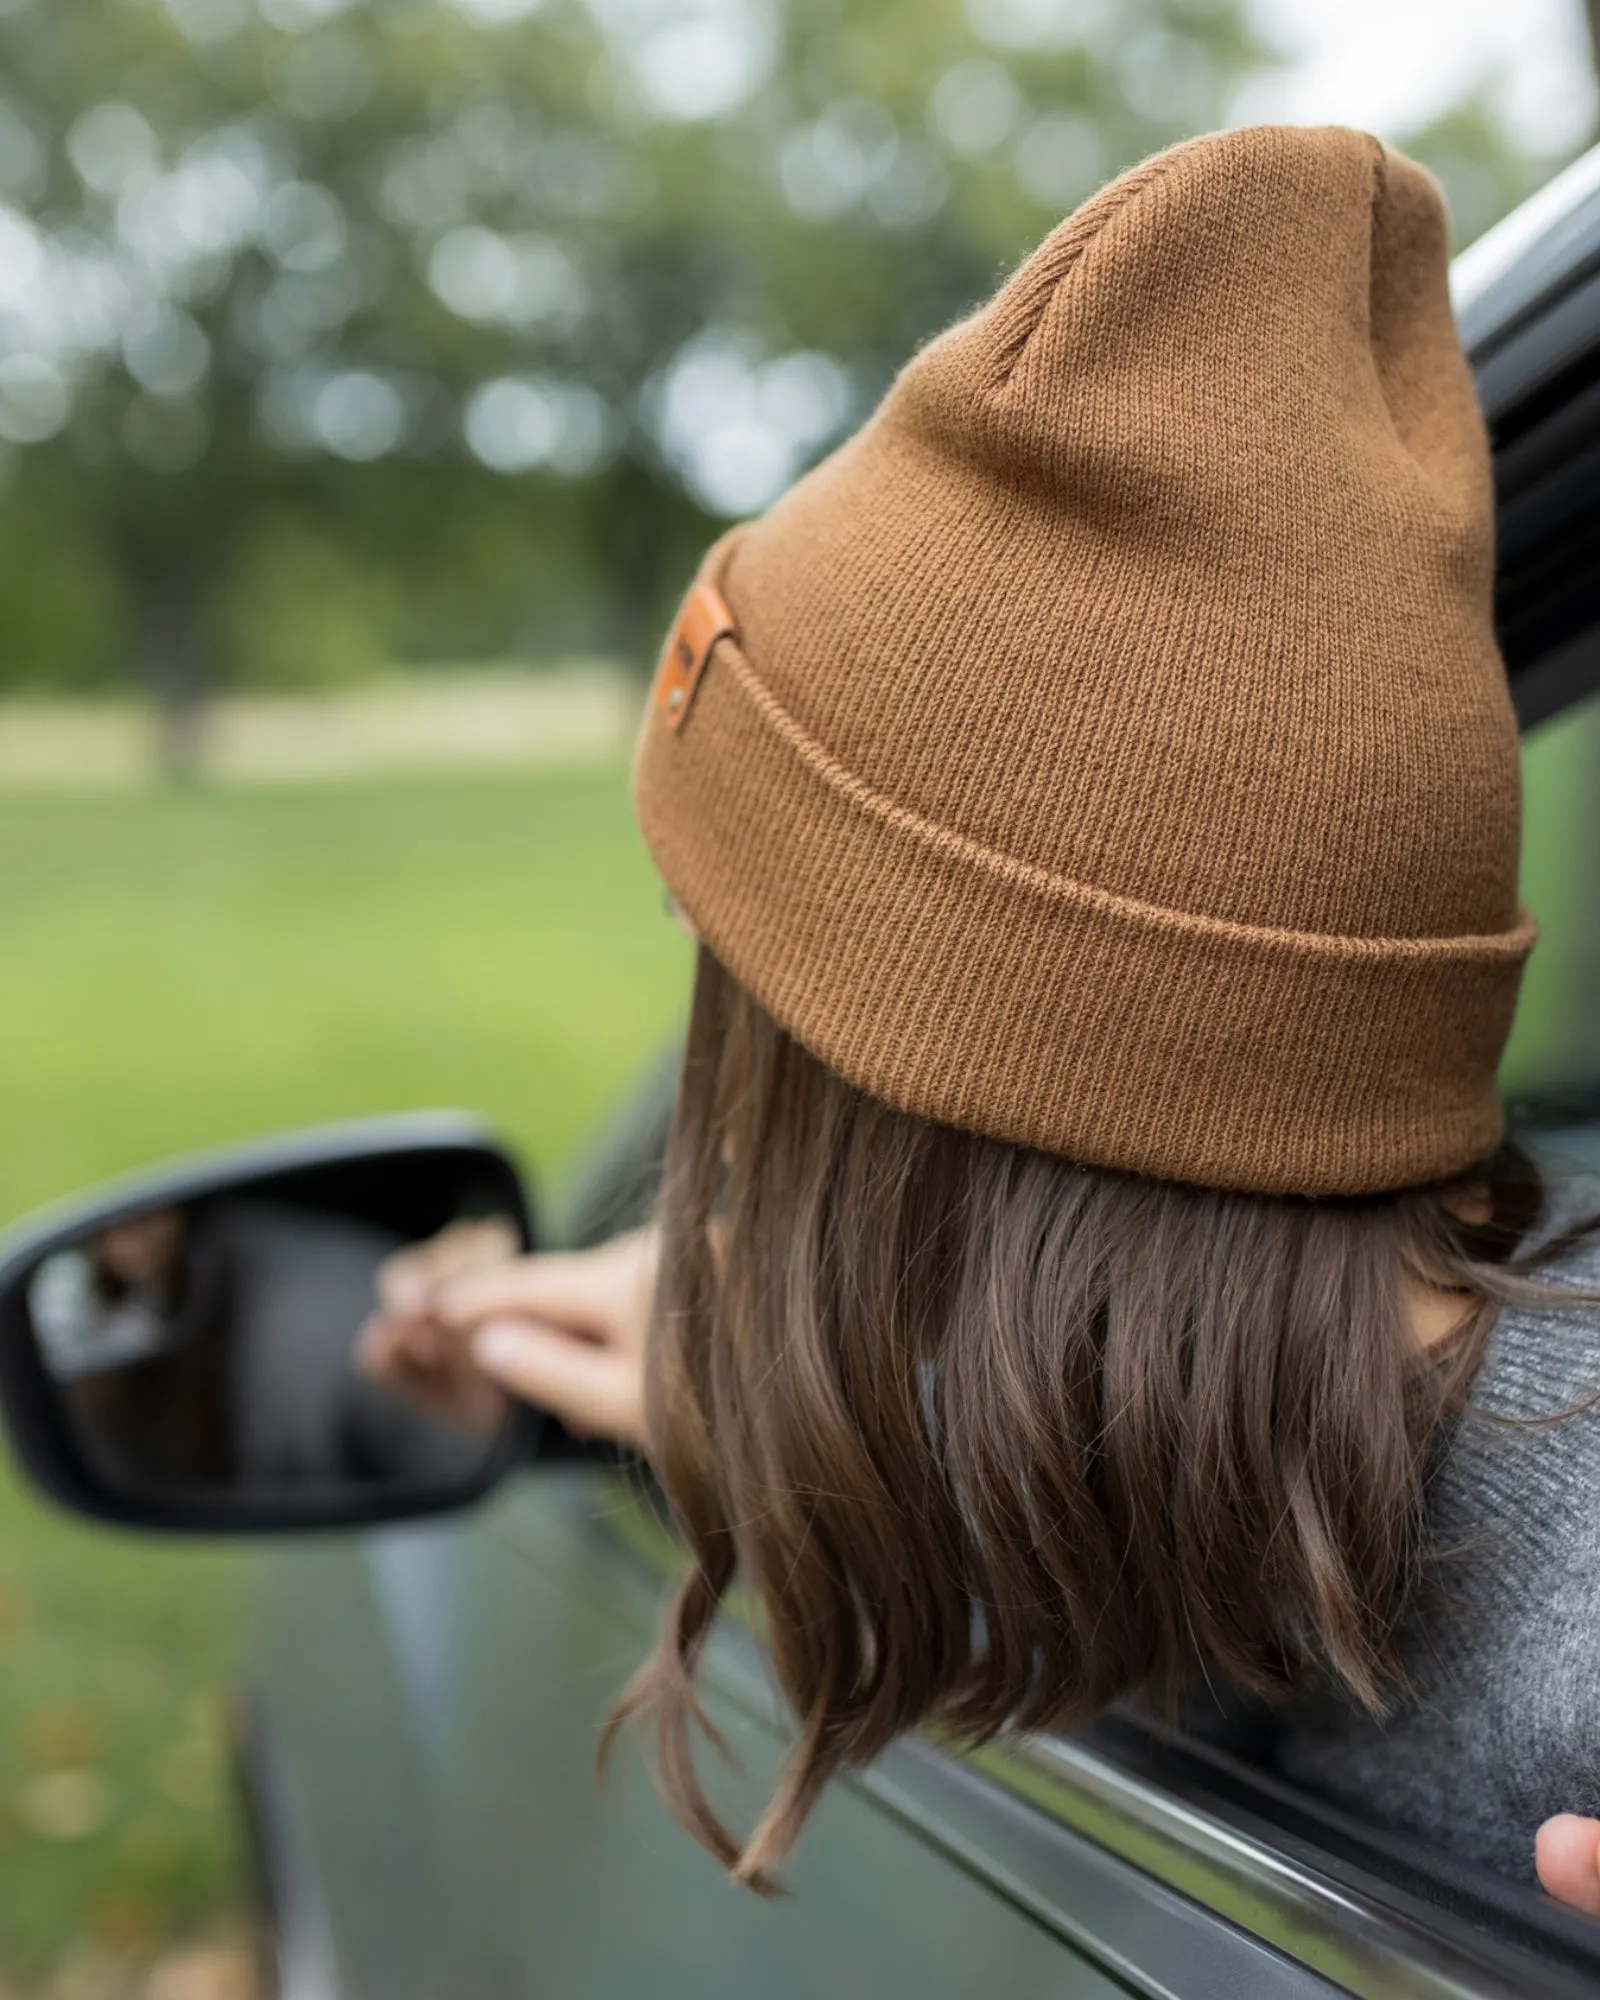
[177, 970]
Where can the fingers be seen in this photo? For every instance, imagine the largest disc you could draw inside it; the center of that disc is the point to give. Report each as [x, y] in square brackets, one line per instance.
[594, 1390]
[564, 1332]
[408, 1278]
[557, 1287]
[424, 1366]
[384, 1340]
[1567, 1853]
[605, 1293]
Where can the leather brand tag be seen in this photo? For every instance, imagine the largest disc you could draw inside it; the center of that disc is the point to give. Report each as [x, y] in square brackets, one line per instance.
[704, 619]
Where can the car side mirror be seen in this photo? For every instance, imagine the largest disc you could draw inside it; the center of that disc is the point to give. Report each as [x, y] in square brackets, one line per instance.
[183, 1350]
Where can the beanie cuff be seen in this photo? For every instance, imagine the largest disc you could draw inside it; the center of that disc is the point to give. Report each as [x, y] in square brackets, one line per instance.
[962, 985]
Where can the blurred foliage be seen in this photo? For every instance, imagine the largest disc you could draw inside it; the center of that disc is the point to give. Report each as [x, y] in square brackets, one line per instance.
[331, 328]
[60, 602]
[1483, 175]
[297, 612]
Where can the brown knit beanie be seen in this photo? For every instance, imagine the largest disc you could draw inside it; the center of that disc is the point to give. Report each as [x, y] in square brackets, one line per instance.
[1107, 748]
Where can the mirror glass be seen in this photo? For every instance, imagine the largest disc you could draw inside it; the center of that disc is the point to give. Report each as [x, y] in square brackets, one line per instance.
[229, 1347]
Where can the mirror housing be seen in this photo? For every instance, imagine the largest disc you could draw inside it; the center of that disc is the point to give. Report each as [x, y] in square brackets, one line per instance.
[177, 1348]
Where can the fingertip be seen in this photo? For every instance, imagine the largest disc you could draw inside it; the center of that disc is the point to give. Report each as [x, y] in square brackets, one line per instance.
[1562, 1835]
[500, 1349]
[1567, 1859]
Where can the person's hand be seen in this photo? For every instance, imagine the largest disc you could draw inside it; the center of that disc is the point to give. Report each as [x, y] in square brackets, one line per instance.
[404, 1346]
[1567, 1853]
[565, 1332]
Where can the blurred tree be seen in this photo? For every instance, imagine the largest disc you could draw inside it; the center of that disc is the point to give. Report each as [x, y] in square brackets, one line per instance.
[60, 608]
[1483, 172]
[367, 269]
[473, 317]
[297, 612]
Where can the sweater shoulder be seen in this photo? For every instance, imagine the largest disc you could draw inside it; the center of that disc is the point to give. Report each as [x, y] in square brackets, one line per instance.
[1543, 1355]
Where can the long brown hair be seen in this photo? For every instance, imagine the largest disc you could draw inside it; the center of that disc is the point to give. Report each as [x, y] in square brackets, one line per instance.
[994, 1440]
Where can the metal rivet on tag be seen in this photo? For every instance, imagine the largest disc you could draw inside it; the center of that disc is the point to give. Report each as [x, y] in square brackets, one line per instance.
[704, 619]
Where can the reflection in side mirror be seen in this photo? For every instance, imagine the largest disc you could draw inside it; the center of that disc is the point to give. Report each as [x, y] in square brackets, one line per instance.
[194, 1350]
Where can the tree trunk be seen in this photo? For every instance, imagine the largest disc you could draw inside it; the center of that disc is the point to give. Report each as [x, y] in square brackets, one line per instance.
[169, 661]
[651, 541]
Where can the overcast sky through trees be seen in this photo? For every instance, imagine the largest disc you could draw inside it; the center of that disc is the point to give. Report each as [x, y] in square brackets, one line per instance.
[1398, 63]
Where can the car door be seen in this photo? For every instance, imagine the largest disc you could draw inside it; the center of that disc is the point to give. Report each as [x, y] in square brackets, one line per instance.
[553, 1884]
[340, 1698]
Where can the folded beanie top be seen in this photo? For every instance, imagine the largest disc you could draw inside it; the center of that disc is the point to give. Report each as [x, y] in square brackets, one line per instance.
[1107, 748]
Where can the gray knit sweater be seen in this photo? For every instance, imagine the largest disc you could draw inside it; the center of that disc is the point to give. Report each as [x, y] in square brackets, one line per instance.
[1503, 1648]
